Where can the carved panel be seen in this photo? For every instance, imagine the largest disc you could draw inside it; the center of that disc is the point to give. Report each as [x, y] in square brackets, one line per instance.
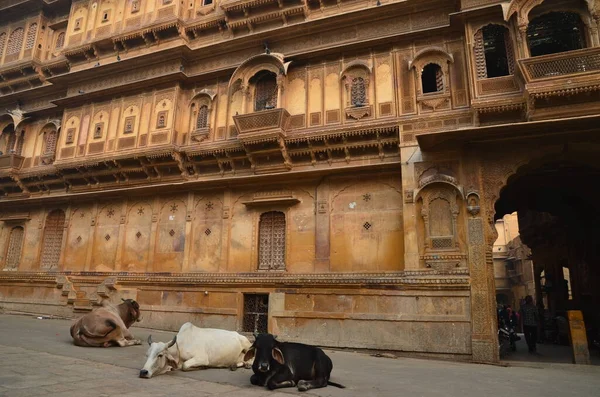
[315, 118]
[271, 246]
[297, 121]
[67, 152]
[15, 247]
[143, 139]
[53, 235]
[96, 147]
[385, 109]
[126, 143]
[159, 138]
[221, 133]
[332, 116]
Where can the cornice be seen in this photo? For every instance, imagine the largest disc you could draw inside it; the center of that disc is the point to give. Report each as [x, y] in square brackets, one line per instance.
[451, 280]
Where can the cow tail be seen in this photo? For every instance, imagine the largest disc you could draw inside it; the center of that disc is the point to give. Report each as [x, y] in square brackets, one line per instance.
[335, 384]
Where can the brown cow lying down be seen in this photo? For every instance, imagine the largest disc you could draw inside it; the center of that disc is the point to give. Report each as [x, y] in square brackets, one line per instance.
[107, 326]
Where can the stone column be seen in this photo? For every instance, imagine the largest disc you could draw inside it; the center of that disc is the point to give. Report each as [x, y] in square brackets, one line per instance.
[408, 156]
[185, 267]
[153, 233]
[225, 231]
[91, 239]
[481, 235]
[121, 243]
[322, 237]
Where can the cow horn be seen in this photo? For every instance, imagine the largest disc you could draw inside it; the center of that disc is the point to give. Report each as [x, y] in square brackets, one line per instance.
[172, 342]
[123, 299]
[274, 336]
[150, 339]
[255, 334]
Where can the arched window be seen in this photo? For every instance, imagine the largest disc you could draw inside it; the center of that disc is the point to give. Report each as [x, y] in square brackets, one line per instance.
[15, 41]
[555, 32]
[202, 119]
[271, 243]
[161, 119]
[494, 55]
[432, 79]
[2, 43]
[15, 247]
[441, 229]
[19, 143]
[53, 235]
[50, 142]
[11, 139]
[266, 91]
[358, 93]
[60, 41]
[31, 32]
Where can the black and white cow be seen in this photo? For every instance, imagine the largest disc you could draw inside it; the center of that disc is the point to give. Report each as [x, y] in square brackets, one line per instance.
[284, 364]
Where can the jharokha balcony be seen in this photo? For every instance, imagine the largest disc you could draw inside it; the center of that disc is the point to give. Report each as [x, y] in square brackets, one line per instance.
[262, 126]
[553, 79]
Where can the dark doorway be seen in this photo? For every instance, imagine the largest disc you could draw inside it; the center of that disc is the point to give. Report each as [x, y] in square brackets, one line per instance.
[558, 216]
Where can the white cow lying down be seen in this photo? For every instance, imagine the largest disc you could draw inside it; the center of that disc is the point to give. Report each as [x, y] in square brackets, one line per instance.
[195, 347]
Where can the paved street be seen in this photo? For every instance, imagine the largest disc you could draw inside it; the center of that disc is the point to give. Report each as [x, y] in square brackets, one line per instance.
[38, 359]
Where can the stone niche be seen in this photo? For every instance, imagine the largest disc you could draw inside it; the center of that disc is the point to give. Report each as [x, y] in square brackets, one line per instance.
[441, 225]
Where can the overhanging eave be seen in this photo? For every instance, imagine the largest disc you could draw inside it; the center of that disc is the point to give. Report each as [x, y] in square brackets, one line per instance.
[455, 139]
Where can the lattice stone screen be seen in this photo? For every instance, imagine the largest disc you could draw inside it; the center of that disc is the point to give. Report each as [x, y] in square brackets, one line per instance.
[271, 249]
[202, 120]
[50, 142]
[15, 247]
[60, 41]
[358, 92]
[15, 41]
[266, 92]
[31, 32]
[256, 313]
[53, 235]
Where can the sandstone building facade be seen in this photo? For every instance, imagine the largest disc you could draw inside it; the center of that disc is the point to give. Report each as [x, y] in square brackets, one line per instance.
[328, 171]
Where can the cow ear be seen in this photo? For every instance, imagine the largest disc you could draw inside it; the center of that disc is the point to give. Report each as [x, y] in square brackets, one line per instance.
[171, 361]
[278, 355]
[250, 354]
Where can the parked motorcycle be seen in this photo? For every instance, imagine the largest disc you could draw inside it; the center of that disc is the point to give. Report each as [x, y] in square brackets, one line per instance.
[507, 338]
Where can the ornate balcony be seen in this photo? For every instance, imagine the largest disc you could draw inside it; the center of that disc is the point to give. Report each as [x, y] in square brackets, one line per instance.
[564, 73]
[11, 162]
[263, 126]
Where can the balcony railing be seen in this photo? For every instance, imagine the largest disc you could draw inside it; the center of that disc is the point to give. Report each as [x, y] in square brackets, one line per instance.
[554, 66]
[264, 125]
[8, 161]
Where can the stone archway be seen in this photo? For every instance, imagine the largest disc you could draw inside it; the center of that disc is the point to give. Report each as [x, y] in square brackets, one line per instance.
[559, 209]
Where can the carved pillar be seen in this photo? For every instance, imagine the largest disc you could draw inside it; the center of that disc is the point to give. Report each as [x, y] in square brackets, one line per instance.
[153, 233]
[92, 238]
[121, 242]
[185, 267]
[225, 231]
[481, 235]
[409, 209]
[322, 242]
[63, 246]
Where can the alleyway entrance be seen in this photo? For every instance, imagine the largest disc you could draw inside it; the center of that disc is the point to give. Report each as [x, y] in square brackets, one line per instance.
[558, 208]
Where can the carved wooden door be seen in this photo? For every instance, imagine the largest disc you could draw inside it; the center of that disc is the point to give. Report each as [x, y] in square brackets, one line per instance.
[15, 247]
[53, 235]
[271, 246]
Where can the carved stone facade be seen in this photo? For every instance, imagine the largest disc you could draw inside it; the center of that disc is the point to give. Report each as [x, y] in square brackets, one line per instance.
[349, 169]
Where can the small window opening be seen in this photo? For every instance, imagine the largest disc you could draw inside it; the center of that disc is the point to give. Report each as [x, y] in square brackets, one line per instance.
[256, 313]
[358, 92]
[495, 49]
[202, 120]
[555, 32]
[105, 16]
[266, 91]
[207, 2]
[161, 122]
[432, 79]
[98, 131]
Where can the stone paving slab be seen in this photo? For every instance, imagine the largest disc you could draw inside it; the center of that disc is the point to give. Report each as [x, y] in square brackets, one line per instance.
[39, 359]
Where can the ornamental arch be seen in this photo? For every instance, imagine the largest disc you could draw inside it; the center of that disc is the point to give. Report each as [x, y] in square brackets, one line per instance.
[558, 213]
